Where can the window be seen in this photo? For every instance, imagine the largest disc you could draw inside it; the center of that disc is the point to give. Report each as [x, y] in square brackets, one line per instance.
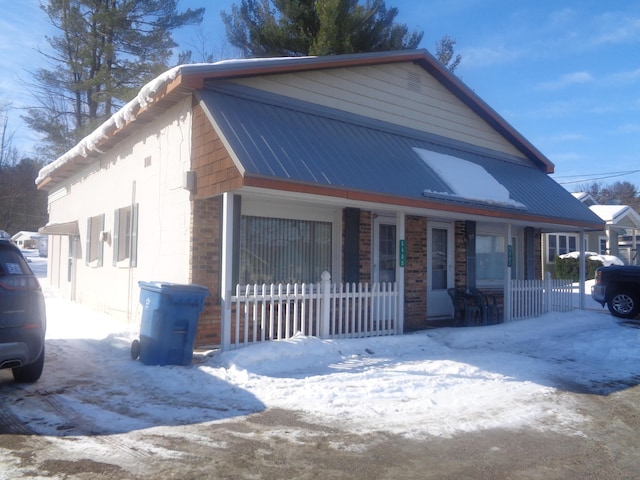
[125, 236]
[490, 257]
[559, 244]
[279, 250]
[95, 226]
[602, 245]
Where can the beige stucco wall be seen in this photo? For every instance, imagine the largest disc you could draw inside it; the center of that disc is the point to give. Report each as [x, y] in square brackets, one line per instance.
[147, 168]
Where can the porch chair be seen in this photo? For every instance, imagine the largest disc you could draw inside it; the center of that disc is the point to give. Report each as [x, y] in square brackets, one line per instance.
[489, 306]
[467, 309]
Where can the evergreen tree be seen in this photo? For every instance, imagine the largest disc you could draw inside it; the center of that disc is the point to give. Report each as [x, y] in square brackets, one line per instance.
[22, 206]
[272, 28]
[104, 52]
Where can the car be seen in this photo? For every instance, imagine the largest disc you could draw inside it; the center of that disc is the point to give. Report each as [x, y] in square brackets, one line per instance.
[618, 286]
[22, 316]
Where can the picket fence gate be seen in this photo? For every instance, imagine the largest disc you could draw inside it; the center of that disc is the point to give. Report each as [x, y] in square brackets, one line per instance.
[532, 298]
[263, 312]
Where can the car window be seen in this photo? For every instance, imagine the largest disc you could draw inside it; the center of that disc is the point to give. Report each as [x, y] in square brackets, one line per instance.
[12, 263]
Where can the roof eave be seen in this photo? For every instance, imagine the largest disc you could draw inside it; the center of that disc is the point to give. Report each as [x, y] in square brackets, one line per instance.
[192, 77]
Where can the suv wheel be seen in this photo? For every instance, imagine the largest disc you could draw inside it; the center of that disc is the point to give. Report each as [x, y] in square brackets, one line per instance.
[623, 304]
[29, 373]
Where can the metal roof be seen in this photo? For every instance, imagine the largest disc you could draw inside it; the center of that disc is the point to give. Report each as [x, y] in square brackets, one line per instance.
[281, 138]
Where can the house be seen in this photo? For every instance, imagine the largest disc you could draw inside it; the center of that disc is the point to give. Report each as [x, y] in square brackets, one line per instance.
[26, 239]
[617, 237]
[371, 167]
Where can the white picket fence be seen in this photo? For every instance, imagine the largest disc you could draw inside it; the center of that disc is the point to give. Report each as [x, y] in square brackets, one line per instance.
[532, 298]
[278, 311]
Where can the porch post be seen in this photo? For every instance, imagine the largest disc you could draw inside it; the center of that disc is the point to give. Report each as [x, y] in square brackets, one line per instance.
[226, 274]
[582, 269]
[400, 222]
[508, 293]
[325, 312]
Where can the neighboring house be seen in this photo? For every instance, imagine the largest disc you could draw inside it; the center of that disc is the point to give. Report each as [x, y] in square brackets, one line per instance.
[617, 236]
[373, 167]
[26, 239]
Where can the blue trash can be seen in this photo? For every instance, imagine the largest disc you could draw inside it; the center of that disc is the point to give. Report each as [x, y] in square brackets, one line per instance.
[169, 322]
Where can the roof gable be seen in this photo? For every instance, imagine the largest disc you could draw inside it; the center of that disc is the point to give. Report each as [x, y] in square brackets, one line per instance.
[183, 80]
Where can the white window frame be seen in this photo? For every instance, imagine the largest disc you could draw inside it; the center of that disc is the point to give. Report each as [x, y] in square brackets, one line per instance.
[95, 245]
[125, 236]
[551, 259]
[261, 207]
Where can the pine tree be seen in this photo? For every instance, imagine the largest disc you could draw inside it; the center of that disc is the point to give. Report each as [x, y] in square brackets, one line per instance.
[104, 52]
[268, 28]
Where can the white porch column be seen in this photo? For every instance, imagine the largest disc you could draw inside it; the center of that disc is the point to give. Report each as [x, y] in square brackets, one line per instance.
[226, 274]
[582, 270]
[508, 293]
[400, 269]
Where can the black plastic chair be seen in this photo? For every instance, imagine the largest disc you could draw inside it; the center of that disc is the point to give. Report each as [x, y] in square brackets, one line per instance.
[467, 308]
[489, 305]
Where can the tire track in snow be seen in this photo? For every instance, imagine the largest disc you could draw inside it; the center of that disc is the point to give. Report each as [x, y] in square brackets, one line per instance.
[10, 423]
[75, 424]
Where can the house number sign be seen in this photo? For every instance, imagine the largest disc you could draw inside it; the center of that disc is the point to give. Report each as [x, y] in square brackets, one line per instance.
[402, 257]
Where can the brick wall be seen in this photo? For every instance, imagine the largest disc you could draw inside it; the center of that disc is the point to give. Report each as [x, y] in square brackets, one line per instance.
[206, 266]
[460, 263]
[415, 273]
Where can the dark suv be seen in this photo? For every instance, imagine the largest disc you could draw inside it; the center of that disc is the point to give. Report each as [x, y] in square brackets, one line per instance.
[22, 316]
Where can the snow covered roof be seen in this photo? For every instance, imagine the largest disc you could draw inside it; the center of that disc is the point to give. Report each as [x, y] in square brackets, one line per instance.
[619, 215]
[183, 80]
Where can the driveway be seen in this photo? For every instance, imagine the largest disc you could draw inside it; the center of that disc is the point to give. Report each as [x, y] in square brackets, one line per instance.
[276, 444]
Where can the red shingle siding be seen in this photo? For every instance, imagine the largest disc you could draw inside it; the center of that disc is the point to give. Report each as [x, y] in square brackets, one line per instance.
[215, 170]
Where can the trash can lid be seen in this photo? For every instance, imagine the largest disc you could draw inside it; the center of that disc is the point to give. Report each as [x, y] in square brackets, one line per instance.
[169, 287]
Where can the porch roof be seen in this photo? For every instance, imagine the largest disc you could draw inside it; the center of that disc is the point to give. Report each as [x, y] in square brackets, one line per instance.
[277, 138]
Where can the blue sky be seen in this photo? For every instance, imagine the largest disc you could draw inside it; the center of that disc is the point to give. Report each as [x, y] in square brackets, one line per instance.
[566, 74]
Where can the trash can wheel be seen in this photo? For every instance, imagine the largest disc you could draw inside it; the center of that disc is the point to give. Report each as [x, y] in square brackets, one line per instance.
[135, 349]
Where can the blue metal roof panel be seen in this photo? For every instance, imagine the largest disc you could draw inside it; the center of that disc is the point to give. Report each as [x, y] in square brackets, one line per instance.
[285, 139]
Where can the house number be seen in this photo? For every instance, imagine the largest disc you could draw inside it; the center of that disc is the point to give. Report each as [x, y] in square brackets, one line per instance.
[403, 253]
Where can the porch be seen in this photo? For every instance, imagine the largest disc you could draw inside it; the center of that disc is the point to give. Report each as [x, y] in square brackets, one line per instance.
[260, 313]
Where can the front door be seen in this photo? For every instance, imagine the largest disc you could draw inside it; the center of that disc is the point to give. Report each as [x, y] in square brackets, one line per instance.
[440, 249]
[384, 249]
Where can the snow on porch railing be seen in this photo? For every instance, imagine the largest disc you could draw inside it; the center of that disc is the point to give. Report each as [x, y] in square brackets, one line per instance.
[273, 312]
[532, 298]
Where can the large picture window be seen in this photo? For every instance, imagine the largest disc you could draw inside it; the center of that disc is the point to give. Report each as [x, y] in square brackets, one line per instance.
[278, 250]
[490, 255]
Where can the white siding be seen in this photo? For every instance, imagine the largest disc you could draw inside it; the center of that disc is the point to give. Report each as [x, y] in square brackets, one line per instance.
[115, 181]
[404, 94]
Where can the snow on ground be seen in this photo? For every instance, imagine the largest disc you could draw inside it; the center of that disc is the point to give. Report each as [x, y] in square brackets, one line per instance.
[432, 383]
